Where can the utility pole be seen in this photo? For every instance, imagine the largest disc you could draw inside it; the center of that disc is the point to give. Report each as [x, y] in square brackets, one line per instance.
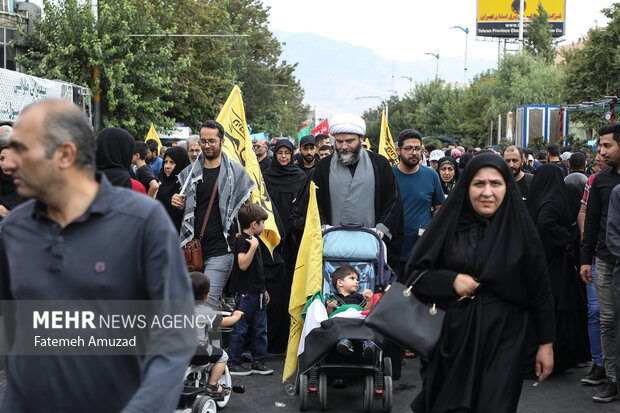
[521, 7]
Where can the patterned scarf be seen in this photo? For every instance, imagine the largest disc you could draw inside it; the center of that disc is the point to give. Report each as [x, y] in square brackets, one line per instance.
[234, 187]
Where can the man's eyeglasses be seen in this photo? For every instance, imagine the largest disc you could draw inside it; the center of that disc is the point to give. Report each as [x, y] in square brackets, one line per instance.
[411, 149]
[210, 142]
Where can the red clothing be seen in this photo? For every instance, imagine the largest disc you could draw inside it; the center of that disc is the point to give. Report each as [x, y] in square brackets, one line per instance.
[137, 186]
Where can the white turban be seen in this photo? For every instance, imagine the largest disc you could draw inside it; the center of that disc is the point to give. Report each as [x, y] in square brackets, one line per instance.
[347, 123]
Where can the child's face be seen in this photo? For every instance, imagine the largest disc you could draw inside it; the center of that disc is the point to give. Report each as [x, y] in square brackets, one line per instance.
[349, 284]
[258, 227]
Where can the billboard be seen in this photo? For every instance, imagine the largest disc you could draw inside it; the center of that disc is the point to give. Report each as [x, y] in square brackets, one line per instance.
[500, 18]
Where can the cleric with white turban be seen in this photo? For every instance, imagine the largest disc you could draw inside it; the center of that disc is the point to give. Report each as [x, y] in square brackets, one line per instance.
[358, 187]
[347, 123]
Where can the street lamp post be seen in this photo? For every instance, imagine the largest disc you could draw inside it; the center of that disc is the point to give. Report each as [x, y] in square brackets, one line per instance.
[410, 78]
[436, 56]
[466, 30]
[376, 97]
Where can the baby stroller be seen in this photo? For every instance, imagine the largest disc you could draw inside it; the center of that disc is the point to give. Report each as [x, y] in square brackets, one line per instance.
[363, 249]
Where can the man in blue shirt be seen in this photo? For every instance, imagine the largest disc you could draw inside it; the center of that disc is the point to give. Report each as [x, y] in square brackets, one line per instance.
[420, 191]
[152, 159]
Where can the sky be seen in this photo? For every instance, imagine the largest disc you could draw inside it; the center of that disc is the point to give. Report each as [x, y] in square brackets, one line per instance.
[406, 29]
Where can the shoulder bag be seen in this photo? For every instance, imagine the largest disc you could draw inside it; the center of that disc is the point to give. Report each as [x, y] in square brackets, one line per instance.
[400, 316]
[192, 251]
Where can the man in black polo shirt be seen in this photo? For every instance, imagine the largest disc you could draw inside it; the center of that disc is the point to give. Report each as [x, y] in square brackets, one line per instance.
[553, 157]
[86, 242]
[594, 241]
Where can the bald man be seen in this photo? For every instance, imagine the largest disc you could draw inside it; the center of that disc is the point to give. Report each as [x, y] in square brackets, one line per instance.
[80, 240]
[261, 149]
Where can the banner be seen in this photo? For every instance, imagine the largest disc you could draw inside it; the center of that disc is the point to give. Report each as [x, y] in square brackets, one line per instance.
[153, 135]
[386, 144]
[500, 18]
[322, 127]
[18, 90]
[307, 279]
[238, 147]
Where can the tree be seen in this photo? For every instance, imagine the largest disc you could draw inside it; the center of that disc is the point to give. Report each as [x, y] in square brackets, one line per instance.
[593, 71]
[538, 39]
[136, 74]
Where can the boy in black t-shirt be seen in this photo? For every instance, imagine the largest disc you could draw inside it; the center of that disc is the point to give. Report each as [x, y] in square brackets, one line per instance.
[247, 282]
[144, 174]
[346, 281]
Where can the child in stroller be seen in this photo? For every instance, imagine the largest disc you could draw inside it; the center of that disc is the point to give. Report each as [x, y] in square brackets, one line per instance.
[345, 280]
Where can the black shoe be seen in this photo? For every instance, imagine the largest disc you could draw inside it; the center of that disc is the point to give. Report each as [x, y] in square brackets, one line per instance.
[368, 351]
[239, 370]
[609, 393]
[344, 347]
[595, 376]
[260, 368]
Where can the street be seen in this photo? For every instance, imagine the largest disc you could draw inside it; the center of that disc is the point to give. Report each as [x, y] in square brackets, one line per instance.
[561, 393]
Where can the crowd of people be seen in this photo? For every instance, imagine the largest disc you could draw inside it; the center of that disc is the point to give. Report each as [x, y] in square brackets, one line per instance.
[520, 249]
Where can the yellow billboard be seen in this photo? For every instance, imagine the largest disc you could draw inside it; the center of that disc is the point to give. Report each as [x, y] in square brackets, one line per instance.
[500, 18]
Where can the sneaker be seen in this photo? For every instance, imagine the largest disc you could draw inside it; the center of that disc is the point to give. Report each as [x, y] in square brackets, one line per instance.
[595, 376]
[609, 393]
[344, 347]
[368, 351]
[260, 368]
[239, 370]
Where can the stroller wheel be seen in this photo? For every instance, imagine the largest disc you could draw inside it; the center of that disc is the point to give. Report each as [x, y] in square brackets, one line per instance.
[369, 390]
[387, 366]
[204, 405]
[303, 392]
[388, 388]
[322, 392]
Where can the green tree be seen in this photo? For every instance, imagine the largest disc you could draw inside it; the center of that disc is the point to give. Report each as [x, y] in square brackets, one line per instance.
[272, 95]
[538, 39]
[136, 74]
[592, 72]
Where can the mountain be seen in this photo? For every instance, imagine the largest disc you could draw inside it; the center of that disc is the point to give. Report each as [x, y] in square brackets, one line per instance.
[334, 73]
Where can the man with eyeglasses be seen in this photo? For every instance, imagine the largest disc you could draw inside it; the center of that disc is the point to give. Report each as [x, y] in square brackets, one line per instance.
[234, 187]
[262, 154]
[420, 190]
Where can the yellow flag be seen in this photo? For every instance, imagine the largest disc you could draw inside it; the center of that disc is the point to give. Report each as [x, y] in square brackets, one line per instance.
[368, 144]
[153, 135]
[386, 144]
[307, 279]
[238, 147]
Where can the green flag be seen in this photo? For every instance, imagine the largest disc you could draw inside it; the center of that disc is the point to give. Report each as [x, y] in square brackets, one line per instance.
[305, 130]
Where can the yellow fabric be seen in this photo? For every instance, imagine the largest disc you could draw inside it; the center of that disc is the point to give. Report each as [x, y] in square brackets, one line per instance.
[386, 144]
[238, 147]
[307, 279]
[368, 143]
[153, 135]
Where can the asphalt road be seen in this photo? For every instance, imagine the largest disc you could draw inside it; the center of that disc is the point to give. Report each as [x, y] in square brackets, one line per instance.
[561, 393]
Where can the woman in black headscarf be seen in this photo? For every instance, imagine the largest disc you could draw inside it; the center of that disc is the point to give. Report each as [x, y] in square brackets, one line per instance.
[283, 179]
[9, 198]
[554, 213]
[115, 147]
[175, 160]
[448, 171]
[486, 268]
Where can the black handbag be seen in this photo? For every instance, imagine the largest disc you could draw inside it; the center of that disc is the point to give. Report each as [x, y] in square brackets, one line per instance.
[400, 316]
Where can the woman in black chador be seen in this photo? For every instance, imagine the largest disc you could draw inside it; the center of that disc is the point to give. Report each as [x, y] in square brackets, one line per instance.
[283, 180]
[554, 212]
[488, 270]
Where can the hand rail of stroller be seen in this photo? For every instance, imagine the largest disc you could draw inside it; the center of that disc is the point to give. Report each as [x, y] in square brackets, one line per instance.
[369, 231]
